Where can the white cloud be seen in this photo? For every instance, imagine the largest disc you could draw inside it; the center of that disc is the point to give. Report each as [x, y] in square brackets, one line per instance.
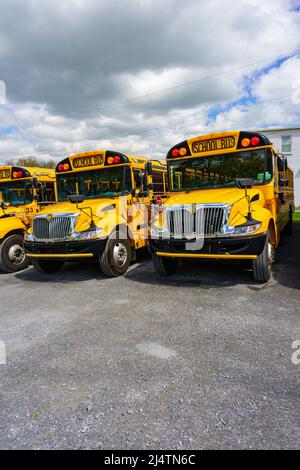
[73, 79]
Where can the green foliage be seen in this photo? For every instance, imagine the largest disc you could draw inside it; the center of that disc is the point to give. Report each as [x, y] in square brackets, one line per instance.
[31, 162]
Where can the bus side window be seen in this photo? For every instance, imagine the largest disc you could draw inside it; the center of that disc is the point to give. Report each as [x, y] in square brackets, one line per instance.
[158, 182]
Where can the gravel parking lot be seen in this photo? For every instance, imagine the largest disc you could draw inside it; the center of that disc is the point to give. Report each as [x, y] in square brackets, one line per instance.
[198, 360]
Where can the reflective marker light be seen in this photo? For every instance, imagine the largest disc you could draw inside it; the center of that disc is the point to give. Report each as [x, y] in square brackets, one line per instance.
[255, 141]
[175, 153]
[245, 142]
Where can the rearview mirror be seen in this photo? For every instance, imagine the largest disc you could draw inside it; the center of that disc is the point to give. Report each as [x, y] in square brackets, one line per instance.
[76, 199]
[138, 178]
[149, 168]
[282, 163]
[244, 183]
[35, 183]
[282, 182]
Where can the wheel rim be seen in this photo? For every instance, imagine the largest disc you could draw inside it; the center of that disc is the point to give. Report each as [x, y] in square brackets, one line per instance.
[16, 254]
[120, 254]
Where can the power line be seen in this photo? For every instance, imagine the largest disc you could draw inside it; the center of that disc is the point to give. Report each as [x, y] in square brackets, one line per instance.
[180, 85]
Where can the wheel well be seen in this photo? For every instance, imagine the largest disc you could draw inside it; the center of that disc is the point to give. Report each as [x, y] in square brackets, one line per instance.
[272, 232]
[14, 232]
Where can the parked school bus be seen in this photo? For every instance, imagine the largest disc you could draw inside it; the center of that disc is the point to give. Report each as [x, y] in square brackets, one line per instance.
[23, 192]
[103, 212]
[230, 196]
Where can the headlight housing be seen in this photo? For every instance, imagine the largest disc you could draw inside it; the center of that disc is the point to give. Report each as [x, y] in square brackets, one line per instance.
[87, 234]
[240, 230]
[28, 237]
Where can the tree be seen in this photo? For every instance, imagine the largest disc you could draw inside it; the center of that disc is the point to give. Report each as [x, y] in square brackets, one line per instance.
[31, 162]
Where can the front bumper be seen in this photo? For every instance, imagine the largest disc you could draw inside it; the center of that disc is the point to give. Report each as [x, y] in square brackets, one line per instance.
[65, 250]
[234, 248]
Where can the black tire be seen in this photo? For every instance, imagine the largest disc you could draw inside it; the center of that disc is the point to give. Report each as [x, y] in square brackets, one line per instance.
[262, 265]
[289, 225]
[47, 267]
[164, 266]
[12, 254]
[116, 258]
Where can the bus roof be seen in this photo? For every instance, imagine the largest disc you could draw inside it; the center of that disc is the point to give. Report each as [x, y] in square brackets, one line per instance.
[220, 142]
[43, 174]
[99, 158]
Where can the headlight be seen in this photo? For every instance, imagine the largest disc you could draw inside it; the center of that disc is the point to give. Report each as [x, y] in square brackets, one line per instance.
[28, 237]
[87, 235]
[242, 230]
[158, 232]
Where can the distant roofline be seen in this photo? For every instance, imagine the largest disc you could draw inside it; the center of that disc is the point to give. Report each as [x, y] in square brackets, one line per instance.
[272, 129]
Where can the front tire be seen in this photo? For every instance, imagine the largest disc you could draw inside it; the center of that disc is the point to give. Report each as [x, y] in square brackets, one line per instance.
[47, 267]
[116, 258]
[12, 254]
[164, 266]
[262, 265]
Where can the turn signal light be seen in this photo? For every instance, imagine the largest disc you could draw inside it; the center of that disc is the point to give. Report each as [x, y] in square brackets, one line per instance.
[245, 142]
[18, 174]
[111, 160]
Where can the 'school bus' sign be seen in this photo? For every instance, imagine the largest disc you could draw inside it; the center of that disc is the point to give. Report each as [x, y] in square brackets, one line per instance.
[90, 160]
[221, 143]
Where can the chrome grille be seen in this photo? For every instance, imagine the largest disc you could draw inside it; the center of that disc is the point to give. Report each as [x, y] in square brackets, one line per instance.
[57, 227]
[196, 220]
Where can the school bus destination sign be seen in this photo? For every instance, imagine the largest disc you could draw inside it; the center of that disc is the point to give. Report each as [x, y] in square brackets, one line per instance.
[221, 143]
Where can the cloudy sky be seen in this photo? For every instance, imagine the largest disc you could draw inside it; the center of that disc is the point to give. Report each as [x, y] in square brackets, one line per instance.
[140, 75]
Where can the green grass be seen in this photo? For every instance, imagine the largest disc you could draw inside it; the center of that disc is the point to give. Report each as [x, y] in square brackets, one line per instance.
[296, 217]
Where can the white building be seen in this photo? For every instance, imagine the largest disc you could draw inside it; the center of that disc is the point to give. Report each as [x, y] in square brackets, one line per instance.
[287, 141]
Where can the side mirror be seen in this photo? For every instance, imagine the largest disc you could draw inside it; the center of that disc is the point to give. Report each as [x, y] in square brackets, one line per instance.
[4, 206]
[282, 182]
[76, 199]
[149, 168]
[244, 183]
[138, 180]
[282, 163]
[35, 183]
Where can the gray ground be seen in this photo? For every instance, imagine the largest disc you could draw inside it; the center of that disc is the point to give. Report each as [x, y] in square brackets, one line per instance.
[201, 360]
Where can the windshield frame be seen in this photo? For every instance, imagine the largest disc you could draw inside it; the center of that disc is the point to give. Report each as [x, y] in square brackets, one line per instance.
[268, 166]
[77, 174]
[14, 182]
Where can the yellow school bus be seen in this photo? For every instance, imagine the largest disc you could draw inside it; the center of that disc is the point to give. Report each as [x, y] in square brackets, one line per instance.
[103, 211]
[230, 196]
[23, 193]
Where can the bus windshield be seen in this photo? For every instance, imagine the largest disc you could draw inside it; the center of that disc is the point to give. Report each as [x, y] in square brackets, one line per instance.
[220, 171]
[106, 182]
[16, 193]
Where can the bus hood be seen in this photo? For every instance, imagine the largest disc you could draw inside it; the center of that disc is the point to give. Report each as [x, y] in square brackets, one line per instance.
[234, 197]
[99, 209]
